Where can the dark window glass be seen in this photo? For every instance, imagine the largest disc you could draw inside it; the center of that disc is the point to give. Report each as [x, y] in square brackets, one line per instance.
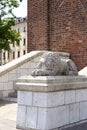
[24, 29]
[4, 55]
[13, 55]
[18, 53]
[24, 52]
[18, 30]
[24, 42]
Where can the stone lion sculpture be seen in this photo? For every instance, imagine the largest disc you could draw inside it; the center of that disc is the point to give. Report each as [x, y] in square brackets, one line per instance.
[51, 65]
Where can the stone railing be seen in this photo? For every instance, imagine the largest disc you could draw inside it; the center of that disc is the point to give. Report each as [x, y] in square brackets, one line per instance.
[24, 65]
[10, 72]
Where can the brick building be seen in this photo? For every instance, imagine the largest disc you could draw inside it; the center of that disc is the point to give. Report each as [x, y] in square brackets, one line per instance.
[59, 25]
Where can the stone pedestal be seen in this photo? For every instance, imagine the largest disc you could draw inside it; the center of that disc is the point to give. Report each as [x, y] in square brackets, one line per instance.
[51, 102]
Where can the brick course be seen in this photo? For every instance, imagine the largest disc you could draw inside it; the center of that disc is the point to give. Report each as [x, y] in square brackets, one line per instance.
[59, 25]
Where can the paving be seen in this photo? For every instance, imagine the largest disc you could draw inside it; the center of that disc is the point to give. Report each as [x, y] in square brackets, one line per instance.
[8, 112]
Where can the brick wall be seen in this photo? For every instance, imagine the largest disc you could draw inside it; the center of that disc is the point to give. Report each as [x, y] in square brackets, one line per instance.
[59, 25]
[38, 25]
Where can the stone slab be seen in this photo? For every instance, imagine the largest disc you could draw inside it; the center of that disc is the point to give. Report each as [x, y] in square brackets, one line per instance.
[51, 83]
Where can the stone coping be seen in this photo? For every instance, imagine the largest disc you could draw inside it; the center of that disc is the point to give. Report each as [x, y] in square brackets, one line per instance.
[24, 59]
[17, 62]
[51, 83]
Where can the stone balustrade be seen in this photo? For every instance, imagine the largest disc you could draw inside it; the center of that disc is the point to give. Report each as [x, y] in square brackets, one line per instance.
[10, 72]
[24, 65]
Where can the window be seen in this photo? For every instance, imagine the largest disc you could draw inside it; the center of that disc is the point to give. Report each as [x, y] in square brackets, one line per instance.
[18, 53]
[18, 30]
[24, 41]
[24, 29]
[4, 55]
[24, 52]
[4, 58]
[13, 55]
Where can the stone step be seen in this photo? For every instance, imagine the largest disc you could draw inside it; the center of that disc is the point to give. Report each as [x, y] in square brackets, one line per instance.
[10, 99]
[13, 94]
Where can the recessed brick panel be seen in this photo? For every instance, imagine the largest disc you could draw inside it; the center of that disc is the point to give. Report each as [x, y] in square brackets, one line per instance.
[59, 25]
[37, 25]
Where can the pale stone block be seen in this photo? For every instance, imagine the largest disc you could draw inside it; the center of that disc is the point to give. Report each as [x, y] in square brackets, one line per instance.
[8, 85]
[57, 117]
[55, 99]
[40, 99]
[33, 65]
[12, 72]
[23, 72]
[5, 78]
[31, 117]
[69, 97]
[48, 99]
[25, 98]
[1, 86]
[83, 110]
[12, 76]
[28, 65]
[5, 93]
[30, 71]
[81, 95]
[21, 117]
[53, 117]
[24, 66]
[74, 113]
[18, 75]
[42, 118]
[18, 69]
[1, 95]
[1, 79]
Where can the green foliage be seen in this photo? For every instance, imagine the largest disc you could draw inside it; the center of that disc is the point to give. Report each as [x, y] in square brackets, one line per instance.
[7, 35]
[7, 6]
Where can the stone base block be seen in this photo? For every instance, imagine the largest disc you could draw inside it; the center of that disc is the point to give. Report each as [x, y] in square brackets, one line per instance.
[46, 103]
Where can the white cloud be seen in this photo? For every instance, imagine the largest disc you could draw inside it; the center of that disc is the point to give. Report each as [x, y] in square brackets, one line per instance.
[21, 11]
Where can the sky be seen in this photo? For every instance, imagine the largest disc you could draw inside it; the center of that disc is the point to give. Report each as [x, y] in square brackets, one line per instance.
[21, 11]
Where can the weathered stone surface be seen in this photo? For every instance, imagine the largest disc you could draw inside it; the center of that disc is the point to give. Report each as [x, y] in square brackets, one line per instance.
[25, 98]
[74, 112]
[83, 110]
[70, 96]
[51, 83]
[56, 101]
[51, 64]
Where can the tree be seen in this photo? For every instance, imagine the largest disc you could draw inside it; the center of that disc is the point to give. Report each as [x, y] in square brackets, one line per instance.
[7, 35]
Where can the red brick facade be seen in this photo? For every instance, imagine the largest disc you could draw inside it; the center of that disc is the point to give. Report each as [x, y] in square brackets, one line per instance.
[59, 25]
